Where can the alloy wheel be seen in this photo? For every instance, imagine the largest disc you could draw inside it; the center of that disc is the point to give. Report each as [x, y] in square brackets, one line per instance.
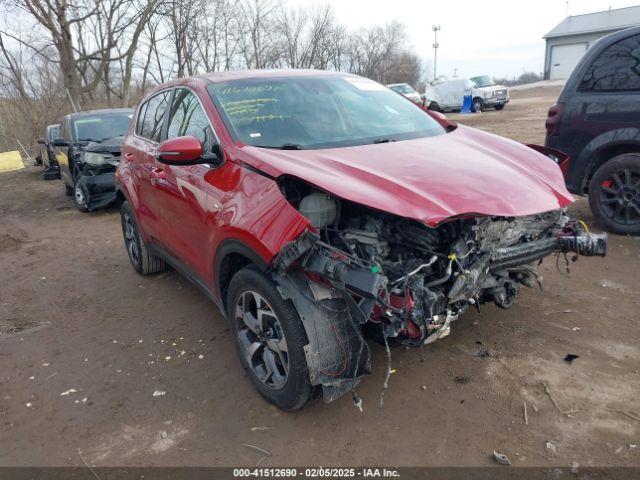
[620, 197]
[261, 339]
[130, 239]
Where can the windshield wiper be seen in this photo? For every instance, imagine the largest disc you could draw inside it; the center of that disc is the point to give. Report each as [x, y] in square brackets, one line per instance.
[284, 146]
[384, 140]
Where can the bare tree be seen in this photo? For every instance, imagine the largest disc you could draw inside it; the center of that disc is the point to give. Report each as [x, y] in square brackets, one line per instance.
[257, 32]
[305, 36]
[108, 52]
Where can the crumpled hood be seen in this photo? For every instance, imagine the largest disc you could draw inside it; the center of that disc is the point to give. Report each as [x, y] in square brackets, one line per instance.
[110, 145]
[431, 179]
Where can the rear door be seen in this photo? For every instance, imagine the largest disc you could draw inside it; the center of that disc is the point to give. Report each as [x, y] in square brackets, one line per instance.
[139, 153]
[186, 196]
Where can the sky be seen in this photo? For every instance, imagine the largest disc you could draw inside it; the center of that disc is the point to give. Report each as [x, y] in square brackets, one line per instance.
[499, 38]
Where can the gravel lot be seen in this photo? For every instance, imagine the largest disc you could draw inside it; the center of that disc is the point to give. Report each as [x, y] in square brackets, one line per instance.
[85, 343]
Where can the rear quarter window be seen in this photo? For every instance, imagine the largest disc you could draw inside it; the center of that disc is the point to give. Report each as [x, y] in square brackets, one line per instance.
[616, 69]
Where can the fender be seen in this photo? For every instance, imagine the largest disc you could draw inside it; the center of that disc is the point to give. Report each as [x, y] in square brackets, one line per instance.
[580, 174]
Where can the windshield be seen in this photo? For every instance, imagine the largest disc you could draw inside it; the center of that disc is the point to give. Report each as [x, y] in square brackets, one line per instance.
[318, 112]
[101, 127]
[402, 88]
[482, 81]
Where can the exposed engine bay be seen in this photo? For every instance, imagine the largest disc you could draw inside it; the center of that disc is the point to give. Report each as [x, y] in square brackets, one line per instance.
[363, 270]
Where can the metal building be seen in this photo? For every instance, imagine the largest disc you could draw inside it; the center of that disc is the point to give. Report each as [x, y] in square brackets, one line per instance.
[568, 41]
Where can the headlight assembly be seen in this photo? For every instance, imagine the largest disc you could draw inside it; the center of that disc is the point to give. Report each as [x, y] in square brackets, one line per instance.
[96, 159]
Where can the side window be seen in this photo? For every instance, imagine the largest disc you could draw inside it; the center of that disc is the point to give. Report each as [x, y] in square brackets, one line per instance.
[186, 117]
[617, 68]
[140, 119]
[65, 133]
[54, 133]
[154, 110]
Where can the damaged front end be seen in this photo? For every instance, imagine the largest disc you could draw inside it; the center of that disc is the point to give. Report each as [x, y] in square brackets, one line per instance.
[95, 181]
[359, 269]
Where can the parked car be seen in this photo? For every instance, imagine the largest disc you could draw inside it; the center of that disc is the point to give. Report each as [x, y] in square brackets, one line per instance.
[47, 153]
[448, 95]
[88, 154]
[406, 90]
[486, 93]
[597, 123]
[309, 204]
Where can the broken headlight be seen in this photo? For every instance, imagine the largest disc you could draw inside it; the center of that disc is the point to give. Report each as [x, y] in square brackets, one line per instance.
[96, 159]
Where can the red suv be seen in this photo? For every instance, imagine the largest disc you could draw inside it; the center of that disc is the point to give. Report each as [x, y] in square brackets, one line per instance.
[315, 208]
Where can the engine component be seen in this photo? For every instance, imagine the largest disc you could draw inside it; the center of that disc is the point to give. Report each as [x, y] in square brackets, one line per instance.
[587, 244]
[404, 279]
[321, 209]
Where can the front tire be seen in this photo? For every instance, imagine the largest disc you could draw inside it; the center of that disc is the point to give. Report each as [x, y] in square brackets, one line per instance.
[270, 339]
[80, 197]
[478, 104]
[614, 194]
[142, 260]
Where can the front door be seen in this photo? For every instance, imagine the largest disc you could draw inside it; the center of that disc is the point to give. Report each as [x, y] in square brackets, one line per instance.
[189, 202]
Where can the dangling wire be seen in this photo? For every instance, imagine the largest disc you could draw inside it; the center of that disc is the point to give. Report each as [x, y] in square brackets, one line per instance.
[386, 378]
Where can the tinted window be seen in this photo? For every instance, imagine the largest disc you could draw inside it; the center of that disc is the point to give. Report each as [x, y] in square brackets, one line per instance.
[187, 117]
[140, 119]
[318, 112]
[616, 69]
[54, 132]
[64, 129]
[154, 109]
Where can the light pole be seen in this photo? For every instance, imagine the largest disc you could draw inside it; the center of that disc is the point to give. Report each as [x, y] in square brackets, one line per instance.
[436, 29]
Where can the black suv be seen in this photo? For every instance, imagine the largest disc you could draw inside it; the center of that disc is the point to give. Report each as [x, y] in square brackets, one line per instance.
[89, 152]
[47, 154]
[597, 122]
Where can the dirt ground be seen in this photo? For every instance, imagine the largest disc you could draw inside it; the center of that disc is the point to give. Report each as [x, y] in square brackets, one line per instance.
[87, 346]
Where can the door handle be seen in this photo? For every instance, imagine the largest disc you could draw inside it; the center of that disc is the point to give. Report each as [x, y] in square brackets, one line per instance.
[159, 173]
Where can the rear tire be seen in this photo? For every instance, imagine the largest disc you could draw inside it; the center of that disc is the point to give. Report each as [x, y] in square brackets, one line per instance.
[68, 191]
[499, 107]
[614, 194]
[270, 339]
[435, 107]
[142, 260]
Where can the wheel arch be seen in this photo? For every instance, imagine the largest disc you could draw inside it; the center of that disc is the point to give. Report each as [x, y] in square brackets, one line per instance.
[120, 197]
[231, 257]
[605, 147]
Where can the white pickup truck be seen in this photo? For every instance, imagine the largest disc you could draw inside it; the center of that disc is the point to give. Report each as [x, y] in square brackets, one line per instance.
[445, 95]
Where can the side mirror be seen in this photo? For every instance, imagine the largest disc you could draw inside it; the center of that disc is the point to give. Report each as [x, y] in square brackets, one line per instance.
[42, 141]
[185, 151]
[60, 142]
